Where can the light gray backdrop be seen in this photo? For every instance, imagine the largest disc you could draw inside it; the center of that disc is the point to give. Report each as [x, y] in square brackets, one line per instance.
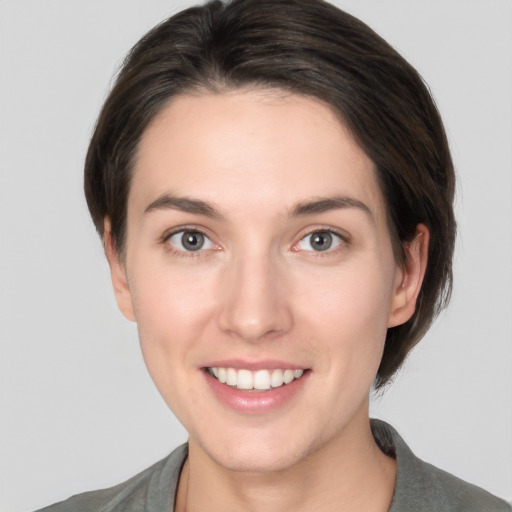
[77, 409]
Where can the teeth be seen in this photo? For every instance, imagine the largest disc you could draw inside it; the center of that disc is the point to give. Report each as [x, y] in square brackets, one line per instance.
[231, 379]
[276, 380]
[288, 376]
[261, 379]
[244, 379]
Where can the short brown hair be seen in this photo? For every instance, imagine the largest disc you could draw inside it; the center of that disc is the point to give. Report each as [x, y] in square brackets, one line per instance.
[308, 47]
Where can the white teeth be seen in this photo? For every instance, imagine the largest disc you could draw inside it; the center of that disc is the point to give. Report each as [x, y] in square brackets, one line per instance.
[231, 379]
[276, 380]
[288, 376]
[260, 380]
[244, 379]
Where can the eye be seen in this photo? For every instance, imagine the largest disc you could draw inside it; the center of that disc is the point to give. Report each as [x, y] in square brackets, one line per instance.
[190, 241]
[320, 241]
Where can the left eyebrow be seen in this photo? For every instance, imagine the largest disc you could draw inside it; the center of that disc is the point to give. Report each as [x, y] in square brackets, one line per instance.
[184, 204]
[326, 204]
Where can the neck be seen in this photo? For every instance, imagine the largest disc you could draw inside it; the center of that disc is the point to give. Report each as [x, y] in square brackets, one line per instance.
[348, 473]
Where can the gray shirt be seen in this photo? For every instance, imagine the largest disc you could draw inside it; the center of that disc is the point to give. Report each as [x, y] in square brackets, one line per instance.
[420, 487]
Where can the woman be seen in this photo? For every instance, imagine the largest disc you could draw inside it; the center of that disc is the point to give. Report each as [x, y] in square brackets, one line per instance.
[274, 190]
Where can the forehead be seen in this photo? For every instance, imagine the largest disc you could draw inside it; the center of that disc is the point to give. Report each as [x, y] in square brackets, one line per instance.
[239, 149]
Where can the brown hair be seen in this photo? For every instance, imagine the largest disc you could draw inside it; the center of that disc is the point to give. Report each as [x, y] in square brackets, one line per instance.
[307, 47]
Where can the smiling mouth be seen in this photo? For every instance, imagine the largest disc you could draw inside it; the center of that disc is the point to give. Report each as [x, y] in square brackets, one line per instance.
[261, 380]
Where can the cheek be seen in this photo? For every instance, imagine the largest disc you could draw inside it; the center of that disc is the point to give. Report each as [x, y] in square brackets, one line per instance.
[170, 319]
[350, 298]
[167, 302]
[347, 313]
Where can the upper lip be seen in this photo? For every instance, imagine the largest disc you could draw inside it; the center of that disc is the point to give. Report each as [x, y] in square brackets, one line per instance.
[264, 364]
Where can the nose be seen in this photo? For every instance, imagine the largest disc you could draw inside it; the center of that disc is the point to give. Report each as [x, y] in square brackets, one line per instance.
[254, 303]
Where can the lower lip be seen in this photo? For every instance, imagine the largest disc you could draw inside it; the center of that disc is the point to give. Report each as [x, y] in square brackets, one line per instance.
[255, 402]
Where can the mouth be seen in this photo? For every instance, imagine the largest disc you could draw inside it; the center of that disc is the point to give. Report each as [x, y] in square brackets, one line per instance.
[260, 380]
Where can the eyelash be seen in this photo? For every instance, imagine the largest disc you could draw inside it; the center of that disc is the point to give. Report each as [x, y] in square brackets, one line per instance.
[344, 240]
[165, 240]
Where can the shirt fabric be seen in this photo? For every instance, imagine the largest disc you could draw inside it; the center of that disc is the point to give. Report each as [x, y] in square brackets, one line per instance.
[420, 487]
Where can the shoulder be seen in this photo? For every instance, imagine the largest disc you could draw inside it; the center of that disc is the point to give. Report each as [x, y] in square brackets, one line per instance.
[457, 495]
[422, 486]
[152, 489]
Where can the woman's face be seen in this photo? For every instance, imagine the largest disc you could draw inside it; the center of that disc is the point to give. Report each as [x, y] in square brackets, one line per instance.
[258, 250]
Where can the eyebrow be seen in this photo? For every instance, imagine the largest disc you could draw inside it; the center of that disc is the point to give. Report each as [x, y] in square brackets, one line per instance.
[184, 204]
[198, 207]
[326, 204]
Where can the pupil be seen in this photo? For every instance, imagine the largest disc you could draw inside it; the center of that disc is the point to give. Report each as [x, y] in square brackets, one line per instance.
[192, 241]
[321, 241]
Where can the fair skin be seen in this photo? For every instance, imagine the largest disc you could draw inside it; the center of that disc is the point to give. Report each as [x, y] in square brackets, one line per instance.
[257, 241]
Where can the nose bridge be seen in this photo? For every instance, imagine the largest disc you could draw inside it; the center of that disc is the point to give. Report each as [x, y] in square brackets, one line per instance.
[254, 302]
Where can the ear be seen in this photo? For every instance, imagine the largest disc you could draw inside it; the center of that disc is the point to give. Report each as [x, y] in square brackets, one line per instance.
[118, 273]
[409, 278]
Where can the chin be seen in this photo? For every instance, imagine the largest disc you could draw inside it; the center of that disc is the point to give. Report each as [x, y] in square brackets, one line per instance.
[253, 460]
[258, 453]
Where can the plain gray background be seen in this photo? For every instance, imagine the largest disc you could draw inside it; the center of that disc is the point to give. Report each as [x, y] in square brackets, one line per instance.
[77, 408]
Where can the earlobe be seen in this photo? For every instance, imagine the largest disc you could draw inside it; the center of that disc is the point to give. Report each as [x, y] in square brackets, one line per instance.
[118, 274]
[410, 278]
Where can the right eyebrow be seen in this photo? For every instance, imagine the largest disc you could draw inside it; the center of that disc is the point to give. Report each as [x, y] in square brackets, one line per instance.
[325, 204]
[184, 204]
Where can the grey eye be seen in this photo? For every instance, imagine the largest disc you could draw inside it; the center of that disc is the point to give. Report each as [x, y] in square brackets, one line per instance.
[190, 241]
[320, 241]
